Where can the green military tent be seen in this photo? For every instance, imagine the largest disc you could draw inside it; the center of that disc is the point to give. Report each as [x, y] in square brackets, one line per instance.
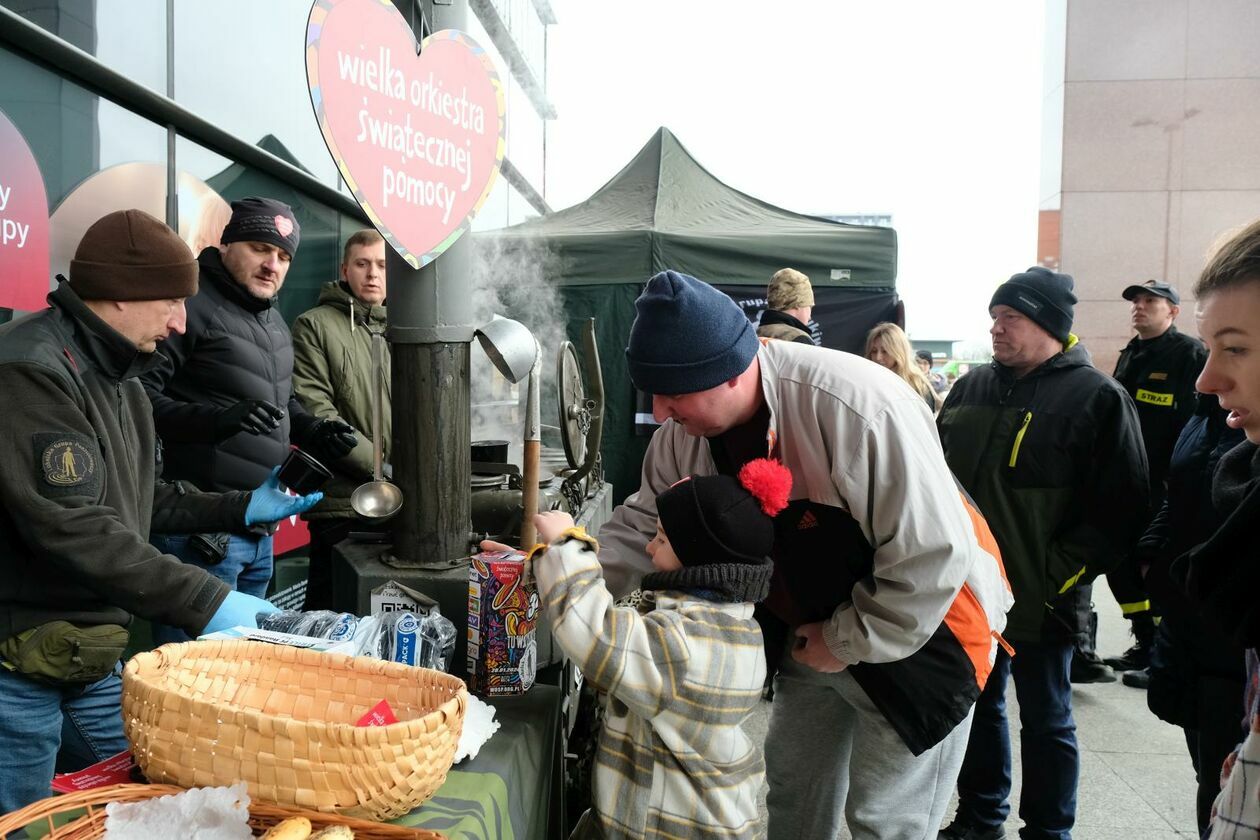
[664, 210]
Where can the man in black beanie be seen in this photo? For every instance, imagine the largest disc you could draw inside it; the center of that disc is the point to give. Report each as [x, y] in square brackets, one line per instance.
[223, 402]
[78, 476]
[874, 691]
[1050, 449]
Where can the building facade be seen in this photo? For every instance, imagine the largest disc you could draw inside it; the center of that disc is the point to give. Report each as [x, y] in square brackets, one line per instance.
[1150, 113]
[180, 108]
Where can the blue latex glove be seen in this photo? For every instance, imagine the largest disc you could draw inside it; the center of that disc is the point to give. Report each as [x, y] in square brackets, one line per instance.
[269, 503]
[238, 610]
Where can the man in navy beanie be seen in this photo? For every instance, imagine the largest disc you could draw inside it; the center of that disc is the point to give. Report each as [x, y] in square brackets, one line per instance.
[874, 689]
[1050, 449]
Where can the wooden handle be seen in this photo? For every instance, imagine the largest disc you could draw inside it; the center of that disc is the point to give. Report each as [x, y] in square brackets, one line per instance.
[529, 494]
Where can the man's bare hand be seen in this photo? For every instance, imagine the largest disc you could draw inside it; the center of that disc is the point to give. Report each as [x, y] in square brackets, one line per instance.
[811, 650]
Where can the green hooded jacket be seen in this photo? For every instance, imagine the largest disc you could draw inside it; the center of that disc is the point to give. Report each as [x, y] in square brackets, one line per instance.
[332, 376]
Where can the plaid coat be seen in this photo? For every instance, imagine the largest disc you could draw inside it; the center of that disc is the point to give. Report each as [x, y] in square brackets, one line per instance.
[681, 674]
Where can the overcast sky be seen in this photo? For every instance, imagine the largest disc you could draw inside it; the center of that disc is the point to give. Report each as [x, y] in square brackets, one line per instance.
[929, 111]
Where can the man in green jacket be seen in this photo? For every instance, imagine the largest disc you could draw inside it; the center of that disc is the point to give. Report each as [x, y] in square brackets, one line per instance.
[79, 495]
[1051, 451]
[332, 376]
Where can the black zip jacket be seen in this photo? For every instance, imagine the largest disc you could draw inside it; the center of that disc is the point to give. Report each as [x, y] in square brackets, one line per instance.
[1159, 373]
[78, 484]
[236, 347]
[1187, 645]
[1054, 461]
[780, 325]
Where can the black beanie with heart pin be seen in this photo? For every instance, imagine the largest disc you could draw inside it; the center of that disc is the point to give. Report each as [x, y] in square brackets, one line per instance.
[721, 528]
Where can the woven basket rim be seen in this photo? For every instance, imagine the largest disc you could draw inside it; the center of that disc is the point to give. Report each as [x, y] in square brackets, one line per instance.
[233, 648]
[93, 801]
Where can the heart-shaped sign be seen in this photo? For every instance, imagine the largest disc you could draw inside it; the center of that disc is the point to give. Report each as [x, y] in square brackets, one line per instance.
[23, 224]
[418, 138]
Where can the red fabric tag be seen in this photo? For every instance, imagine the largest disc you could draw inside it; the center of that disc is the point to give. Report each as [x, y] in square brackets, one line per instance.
[115, 770]
[379, 715]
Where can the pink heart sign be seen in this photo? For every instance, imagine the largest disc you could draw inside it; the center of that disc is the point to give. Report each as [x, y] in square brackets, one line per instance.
[418, 138]
[23, 224]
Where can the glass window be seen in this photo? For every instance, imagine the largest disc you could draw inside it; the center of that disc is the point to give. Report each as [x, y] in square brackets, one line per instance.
[111, 30]
[324, 229]
[240, 65]
[77, 138]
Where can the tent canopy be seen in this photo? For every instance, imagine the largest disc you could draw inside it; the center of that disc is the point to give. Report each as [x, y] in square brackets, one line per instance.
[665, 210]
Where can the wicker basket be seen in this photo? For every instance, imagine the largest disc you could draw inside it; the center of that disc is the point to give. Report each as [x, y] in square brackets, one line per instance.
[282, 719]
[43, 814]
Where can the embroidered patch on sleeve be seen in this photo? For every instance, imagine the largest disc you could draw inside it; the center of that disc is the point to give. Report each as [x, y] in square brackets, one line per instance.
[68, 464]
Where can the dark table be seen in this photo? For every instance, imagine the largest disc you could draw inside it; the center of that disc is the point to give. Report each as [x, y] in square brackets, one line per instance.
[511, 790]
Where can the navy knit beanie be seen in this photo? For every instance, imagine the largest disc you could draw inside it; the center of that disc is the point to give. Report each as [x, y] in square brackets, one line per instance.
[687, 337]
[1044, 296]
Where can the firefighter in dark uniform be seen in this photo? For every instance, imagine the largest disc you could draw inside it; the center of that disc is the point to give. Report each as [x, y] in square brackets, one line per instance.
[1158, 368]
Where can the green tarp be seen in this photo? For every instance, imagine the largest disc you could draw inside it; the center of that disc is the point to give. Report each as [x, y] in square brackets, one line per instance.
[664, 210]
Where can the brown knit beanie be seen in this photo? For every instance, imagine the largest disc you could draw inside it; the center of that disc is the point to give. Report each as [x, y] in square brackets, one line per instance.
[129, 255]
[789, 289]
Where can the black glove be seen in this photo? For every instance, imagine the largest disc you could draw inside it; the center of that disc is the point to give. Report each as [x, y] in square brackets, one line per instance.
[258, 417]
[331, 439]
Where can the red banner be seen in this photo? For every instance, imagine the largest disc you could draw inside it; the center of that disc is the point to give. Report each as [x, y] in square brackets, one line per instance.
[24, 277]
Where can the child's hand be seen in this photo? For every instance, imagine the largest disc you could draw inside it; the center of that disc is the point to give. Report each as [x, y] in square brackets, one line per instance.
[551, 524]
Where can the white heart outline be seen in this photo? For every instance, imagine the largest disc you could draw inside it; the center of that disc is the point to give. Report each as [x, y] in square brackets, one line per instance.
[320, 10]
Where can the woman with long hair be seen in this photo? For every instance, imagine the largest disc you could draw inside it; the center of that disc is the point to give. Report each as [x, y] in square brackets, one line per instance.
[888, 345]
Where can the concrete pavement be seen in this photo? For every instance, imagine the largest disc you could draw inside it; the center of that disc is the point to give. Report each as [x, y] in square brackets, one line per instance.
[1136, 779]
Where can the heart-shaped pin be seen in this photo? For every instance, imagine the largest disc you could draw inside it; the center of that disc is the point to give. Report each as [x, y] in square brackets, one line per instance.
[23, 224]
[283, 226]
[418, 138]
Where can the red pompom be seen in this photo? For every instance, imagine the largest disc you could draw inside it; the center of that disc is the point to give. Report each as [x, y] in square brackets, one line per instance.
[769, 482]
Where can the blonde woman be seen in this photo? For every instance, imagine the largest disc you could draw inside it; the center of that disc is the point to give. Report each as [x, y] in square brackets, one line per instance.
[888, 345]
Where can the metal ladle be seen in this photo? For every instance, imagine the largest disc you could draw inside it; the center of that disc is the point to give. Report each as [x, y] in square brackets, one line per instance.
[377, 499]
[514, 352]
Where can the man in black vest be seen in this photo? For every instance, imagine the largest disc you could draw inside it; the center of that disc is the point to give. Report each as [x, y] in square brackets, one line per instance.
[223, 403]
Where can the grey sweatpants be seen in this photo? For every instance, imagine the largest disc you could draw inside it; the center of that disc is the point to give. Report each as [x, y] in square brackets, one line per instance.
[831, 756]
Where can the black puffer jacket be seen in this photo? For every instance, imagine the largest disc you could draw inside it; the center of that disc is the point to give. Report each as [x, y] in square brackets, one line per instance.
[78, 490]
[236, 347]
[1054, 461]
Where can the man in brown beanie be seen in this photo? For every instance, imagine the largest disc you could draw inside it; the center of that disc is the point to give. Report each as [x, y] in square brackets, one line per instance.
[789, 303]
[224, 401]
[79, 493]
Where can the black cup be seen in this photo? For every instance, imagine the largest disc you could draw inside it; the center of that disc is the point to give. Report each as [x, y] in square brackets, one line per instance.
[490, 451]
[303, 474]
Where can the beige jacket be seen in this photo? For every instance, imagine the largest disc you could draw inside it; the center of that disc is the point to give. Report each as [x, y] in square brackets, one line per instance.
[854, 437]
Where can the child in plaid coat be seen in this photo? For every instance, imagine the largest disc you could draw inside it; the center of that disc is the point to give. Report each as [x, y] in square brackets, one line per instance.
[681, 671]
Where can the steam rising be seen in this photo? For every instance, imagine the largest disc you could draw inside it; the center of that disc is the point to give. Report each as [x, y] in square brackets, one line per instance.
[512, 281]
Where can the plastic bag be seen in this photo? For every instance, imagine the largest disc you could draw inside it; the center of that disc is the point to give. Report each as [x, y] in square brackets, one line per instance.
[318, 624]
[422, 638]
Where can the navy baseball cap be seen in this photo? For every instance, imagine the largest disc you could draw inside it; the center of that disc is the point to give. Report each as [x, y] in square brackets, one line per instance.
[1152, 287]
